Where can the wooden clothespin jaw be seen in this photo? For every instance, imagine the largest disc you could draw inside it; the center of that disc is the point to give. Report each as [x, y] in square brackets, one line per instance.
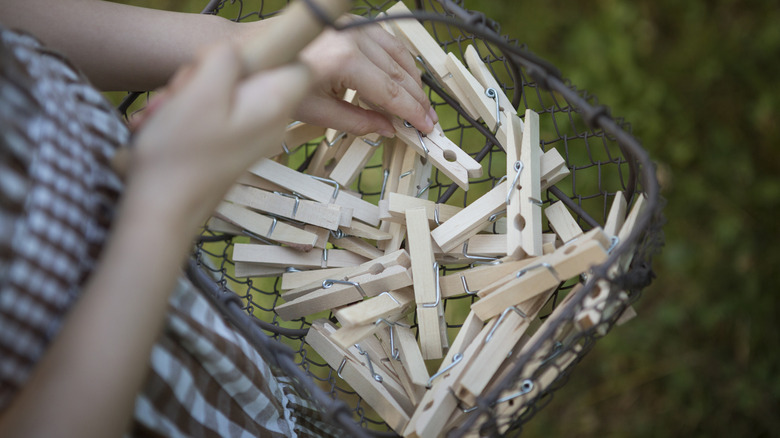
[441, 151]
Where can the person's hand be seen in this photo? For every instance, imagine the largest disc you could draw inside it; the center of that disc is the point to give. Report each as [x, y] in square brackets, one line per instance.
[208, 126]
[373, 62]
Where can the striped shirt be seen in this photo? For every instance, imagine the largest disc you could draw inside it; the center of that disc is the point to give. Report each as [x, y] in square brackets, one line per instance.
[57, 197]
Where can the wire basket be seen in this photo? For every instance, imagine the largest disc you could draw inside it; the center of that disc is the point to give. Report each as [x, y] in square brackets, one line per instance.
[602, 157]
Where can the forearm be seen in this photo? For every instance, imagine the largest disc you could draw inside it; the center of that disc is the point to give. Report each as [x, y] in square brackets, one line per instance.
[86, 383]
[119, 47]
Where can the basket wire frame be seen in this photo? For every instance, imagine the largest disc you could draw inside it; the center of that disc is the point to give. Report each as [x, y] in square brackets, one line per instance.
[600, 153]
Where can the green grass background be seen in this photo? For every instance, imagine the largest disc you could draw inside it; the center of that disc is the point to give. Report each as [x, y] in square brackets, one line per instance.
[695, 78]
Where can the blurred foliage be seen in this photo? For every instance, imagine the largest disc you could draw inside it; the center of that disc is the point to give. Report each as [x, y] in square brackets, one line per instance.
[695, 80]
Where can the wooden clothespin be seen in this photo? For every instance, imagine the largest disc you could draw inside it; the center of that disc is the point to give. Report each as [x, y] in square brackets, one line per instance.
[365, 231]
[441, 151]
[393, 209]
[346, 336]
[355, 158]
[356, 245]
[524, 212]
[273, 255]
[474, 217]
[428, 52]
[452, 233]
[295, 278]
[562, 222]
[489, 101]
[382, 306]
[427, 294]
[218, 225]
[547, 272]
[265, 227]
[432, 414]
[482, 73]
[329, 216]
[414, 180]
[594, 306]
[361, 377]
[243, 270]
[315, 189]
[375, 266]
[336, 292]
[389, 336]
[470, 281]
[498, 343]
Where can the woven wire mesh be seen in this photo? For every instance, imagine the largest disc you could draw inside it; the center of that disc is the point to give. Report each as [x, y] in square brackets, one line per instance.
[602, 158]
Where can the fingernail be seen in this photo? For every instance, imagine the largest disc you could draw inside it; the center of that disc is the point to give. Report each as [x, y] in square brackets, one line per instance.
[432, 114]
[388, 133]
[429, 122]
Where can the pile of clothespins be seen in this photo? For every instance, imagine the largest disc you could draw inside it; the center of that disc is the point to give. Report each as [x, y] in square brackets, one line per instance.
[376, 267]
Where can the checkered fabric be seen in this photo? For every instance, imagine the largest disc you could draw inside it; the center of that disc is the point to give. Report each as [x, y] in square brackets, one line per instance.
[57, 197]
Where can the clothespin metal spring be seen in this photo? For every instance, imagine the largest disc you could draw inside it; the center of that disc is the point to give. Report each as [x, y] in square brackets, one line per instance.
[501, 318]
[438, 288]
[327, 284]
[455, 359]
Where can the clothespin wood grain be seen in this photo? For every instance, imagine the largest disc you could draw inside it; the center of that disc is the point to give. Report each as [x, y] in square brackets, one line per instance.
[415, 392]
[485, 78]
[243, 270]
[382, 306]
[358, 246]
[562, 222]
[474, 217]
[336, 293]
[357, 376]
[441, 151]
[365, 231]
[528, 217]
[485, 101]
[346, 336]
[547, 272]
[311, 188]
[328, 216]
[426, 293]
[421, 44]
[431, 416]
[273, 255]
[470, 220]
[355, 158]
[375, 266]
[413, 181]
[266, 227]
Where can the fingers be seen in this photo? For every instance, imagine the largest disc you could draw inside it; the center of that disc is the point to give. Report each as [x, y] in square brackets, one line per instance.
[215, 76]
[272, 95]
[389, 55]
[376, 86]
[320, 109]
